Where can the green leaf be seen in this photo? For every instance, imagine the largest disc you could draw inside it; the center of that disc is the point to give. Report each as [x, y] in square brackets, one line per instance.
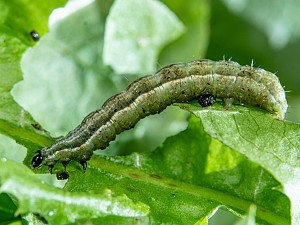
[77, 80]
[17, 19]
[250, 218]
[58, 206]
[9, 148]
[188, 177]
[271, 143]
[280, 29]
[193, 43]
[7, 209]
[234, 36]
[184, 181]
[72, 67]
[15, 28]
[141, 28]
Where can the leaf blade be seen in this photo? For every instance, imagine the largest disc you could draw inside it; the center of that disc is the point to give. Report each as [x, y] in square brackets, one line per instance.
[58, 206]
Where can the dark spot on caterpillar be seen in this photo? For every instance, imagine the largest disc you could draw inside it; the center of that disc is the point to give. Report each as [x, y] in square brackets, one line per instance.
[62, 175]
[37, 159]
[115, 110]
[206, 100]
[144, 111]
[167, 77]
[34, 35]
[93, 128]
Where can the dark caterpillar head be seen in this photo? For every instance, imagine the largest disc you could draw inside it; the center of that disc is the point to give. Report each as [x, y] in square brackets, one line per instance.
[206, 100]
[37, 160]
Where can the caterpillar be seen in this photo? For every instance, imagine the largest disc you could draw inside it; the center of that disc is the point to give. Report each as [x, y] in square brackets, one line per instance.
[202, 79]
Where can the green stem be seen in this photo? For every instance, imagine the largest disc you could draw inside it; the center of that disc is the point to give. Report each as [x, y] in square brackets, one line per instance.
[23, 136]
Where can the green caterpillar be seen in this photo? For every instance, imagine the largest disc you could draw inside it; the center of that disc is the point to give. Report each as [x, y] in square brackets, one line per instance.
[203, 79]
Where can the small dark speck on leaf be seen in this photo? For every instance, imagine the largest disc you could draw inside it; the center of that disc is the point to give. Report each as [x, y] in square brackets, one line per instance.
[34, 35]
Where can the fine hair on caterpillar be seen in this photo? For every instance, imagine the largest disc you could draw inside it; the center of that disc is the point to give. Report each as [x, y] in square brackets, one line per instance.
[203, 79]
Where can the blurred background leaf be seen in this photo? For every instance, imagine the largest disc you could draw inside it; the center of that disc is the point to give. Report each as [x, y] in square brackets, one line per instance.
[64, 72]
[247, 30]
[135, 31]
[60, 207]
[17, 20]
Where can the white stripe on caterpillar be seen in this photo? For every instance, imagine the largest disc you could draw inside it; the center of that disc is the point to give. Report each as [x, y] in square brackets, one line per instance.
[181, 82]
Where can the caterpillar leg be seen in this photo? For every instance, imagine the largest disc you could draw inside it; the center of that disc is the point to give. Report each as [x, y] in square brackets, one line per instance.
[62, 175]
[84, 165]
[228, 102]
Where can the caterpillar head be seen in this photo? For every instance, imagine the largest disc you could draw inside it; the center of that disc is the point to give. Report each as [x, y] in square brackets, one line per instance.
[37, 160]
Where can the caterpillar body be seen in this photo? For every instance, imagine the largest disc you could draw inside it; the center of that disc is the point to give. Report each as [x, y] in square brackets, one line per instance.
[203, 79]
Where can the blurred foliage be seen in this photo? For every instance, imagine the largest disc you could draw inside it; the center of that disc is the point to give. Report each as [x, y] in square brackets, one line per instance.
[65, 72]
[236, 34]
